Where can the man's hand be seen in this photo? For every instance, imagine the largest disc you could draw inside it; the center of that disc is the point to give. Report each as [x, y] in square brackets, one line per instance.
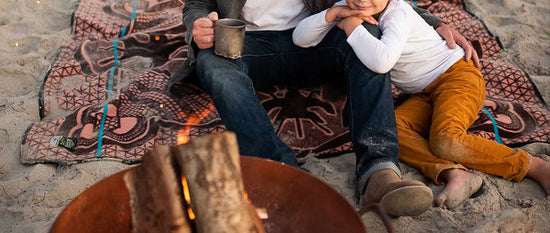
[349, 24]
[450, 36]
[341, 12]
[203, 31]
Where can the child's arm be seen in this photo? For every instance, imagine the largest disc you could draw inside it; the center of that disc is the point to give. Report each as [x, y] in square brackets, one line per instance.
[379, 55]
[311, 30]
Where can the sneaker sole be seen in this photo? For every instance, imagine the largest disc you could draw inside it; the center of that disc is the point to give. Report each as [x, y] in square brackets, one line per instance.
[407, 201]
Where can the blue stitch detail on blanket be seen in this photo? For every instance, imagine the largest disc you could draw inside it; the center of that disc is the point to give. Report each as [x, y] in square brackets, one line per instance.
[110, 86]
[495, 127]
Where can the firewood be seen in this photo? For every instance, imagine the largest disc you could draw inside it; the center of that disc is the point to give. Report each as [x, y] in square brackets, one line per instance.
[212, 170]
[156, 195]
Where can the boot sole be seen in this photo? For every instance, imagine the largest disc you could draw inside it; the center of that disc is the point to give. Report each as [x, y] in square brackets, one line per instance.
[407, 201]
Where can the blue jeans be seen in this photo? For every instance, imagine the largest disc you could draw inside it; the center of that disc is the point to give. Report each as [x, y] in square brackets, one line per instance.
[270, 58]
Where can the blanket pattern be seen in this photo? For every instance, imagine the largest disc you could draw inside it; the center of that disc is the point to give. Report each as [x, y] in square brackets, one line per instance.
[142, 113]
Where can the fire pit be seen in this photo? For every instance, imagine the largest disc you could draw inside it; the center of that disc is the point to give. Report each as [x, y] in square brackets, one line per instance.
[295, 202]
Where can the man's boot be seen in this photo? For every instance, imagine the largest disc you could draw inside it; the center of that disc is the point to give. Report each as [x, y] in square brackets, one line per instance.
[396, 196]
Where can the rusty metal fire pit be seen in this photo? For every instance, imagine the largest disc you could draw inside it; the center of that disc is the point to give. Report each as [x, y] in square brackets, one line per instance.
[295, 201]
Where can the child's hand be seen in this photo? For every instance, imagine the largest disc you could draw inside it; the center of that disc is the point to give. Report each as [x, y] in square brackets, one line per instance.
[340, 12]
[367, 18]
[336, 12]
[348, 24]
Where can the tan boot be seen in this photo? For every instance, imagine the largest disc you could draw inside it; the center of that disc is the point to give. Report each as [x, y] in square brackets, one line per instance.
[396, 196]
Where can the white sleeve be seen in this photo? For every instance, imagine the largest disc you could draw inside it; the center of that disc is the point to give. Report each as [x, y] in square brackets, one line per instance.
[380, 55]
[311, 30]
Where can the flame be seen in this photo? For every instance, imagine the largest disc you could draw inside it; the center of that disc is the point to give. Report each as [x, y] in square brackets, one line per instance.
[191, 214]
[187, 197]
[246, 198]
[186, 194]
[193, 119]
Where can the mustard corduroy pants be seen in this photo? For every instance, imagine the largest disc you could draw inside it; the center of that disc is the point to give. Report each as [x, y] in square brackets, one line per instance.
[432, 128]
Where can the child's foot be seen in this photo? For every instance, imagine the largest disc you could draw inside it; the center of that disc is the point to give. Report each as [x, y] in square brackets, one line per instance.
[460, 185]
[540, 171]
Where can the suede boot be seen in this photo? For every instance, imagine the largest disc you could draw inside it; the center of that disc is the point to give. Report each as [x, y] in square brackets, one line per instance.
[396, 196]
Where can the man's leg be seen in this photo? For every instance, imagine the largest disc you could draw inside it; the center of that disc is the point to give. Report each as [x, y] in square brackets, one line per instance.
[234, 96]
[374, 137]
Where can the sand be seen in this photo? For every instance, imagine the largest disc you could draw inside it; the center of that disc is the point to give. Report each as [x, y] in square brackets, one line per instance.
[31, 197]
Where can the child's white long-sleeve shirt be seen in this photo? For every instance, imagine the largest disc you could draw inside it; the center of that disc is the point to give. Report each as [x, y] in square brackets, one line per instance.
[409, 47]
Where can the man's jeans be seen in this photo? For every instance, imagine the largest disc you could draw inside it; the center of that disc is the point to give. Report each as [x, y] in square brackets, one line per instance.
[271, 58]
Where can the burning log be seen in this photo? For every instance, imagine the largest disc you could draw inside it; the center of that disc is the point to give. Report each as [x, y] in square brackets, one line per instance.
[212, 171]
[155, 192]
[195, 187]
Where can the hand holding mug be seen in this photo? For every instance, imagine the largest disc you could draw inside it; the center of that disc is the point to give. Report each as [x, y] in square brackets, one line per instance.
[203, 31]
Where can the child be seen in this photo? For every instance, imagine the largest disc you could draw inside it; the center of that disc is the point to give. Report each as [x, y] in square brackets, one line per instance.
[448, 94]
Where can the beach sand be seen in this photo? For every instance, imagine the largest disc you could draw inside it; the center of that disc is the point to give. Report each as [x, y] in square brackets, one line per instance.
[31, 197]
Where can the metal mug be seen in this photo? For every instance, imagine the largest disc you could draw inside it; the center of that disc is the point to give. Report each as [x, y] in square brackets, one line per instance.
[229, 38]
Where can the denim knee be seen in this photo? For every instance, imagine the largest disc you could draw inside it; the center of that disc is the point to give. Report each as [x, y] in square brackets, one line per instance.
[218, 74]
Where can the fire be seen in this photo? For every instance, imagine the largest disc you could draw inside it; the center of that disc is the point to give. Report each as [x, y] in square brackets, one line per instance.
[246, 198]
[187, 197]
[190, 213]
[186, 194]
[183, 137]
[193, 119]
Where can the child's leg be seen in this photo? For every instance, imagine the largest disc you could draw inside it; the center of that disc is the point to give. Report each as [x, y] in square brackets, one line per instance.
[413, 123]
[458, 95]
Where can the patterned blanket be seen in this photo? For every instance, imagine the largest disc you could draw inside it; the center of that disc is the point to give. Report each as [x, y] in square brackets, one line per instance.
[142, 113]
